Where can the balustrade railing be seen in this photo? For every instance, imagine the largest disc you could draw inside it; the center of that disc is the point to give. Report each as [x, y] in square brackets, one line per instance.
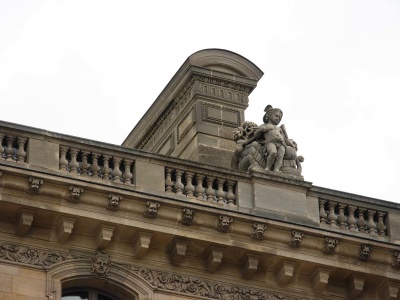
[213, 189]
[353, 217]
[13, 148]
[96, 165]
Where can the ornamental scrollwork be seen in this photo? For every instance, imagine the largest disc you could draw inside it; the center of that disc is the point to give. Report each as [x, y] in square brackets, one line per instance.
[26, 255]
[197, 287]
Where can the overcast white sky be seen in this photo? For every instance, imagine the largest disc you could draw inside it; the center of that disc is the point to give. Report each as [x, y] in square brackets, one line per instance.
[92, 68]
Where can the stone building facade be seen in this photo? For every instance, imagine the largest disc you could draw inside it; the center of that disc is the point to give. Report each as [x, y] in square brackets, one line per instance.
[165, 216]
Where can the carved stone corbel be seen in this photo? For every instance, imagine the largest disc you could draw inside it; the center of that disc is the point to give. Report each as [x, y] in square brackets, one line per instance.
[355, 285]
[284, 272]
[104, 235]
[259, 230]
[64, 229]
[113, 201]
[329, 245]
[249, 264]
[75, 193]
[141, 243]
[152, 209]
[177, 250]
[296, 238]
[35, 184]
[187, 216]
[364, 252]
[224, 223]
[214, 258]
[396, 260]
[25, 219]
[319, 279]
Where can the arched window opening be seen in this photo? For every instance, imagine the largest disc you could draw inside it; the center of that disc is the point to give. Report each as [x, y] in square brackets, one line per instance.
[86, 294]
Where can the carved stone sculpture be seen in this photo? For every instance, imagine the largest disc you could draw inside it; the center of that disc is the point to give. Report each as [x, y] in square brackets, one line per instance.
[330, 245]
[35, 184]
[151, 210]
[259, 230]
[365, 251]
[113, 201]
[396, 261]
[75, 193]
[296, 238]
[224, 223]
[266, 146]
[101, 264]
[187, 216]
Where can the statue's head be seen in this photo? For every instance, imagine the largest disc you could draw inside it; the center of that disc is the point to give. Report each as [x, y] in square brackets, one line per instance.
[100, 263]
[272, 115]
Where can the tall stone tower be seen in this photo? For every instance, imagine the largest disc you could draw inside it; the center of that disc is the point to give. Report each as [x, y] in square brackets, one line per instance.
[194, 116]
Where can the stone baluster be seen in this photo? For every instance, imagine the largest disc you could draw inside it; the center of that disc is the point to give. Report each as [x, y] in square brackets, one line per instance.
[230, 196]
[220, 191]
[178, 182]
[189, 188]
[199, 187]
[73, 164]
[351, 221]
[210, 192]
[127, 176]
[84, 166]
[95, 168]
[10, 149]
[168, 180]
[361, 222]
[63, 162]
[21, 154]
[331, 216]
[381, 226]
[106, 167]
[342, 218]
[116, 172]
[322, 214]
[371, 226]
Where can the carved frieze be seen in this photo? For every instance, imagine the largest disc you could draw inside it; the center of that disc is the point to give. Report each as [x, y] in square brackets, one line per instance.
[224, 223]
[30, 256]
[151, 210]
[259, 230]
[100, 264]
[193, 286]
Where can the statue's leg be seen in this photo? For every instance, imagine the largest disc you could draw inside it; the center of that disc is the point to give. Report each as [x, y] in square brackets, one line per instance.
[279, 158]
[272, 153]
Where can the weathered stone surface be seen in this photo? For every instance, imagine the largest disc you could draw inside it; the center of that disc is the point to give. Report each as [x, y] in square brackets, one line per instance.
[43, 154]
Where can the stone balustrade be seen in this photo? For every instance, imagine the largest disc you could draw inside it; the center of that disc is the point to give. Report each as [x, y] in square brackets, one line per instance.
[257, 193]
[93, 164]
[355, 218]
[13, 148]
[214, 189]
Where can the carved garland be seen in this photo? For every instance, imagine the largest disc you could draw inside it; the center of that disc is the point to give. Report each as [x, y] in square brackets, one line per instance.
[26, 255]
[197, 287]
